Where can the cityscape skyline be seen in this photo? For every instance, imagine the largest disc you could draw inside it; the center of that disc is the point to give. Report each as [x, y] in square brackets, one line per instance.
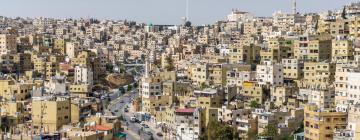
[201, 12]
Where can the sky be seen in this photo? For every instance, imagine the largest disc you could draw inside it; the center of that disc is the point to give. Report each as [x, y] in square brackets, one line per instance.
[158, 11]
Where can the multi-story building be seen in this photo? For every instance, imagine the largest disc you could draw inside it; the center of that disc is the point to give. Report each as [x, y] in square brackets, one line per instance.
[13, 90]
[293, 69]
[7, 44]
[342, 50]
[276, 50]
[270, 73]
[313, 47]
[50, 113]
[319, 123]
[188, 123]
[83, 75]
[319, 73]
[252, 91]
[248, 54]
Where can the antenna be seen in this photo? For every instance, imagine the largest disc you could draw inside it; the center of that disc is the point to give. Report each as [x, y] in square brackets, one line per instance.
[187, 11]
[294, 7]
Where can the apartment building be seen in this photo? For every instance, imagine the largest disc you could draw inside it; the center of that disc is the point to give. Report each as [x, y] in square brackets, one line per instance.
[270, 73]
[319, 123]
[7, 44]
[50, 113]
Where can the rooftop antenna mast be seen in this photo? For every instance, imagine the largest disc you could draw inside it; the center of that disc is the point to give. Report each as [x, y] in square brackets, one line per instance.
[186, 18]
[187, 11]
[294, 10]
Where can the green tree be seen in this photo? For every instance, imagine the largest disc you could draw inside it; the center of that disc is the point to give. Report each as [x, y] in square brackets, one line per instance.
[343, 14]
[203, 85]
[120, 118]
[109, 67]
[170, 64]
[217, 131]
[254, 104]
[129, 88]
[287, 137]
[143, 57]
[122, 89]
[270, 131]
[136, 84]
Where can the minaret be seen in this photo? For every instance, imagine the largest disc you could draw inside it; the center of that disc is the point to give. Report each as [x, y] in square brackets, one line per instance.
[294, 7]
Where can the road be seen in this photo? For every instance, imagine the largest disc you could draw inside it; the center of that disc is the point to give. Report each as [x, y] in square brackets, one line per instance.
[131, 129]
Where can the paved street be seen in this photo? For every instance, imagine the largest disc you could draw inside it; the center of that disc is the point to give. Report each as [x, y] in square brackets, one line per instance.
[131, 129]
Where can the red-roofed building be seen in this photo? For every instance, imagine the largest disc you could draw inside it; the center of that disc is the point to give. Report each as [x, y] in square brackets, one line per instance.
[185, 110]
[188, 122]
[101, 128]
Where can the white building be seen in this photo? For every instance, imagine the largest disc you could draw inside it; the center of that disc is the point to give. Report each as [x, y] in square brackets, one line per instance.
[188, 123]
[239, 16]
[270, 73]
[237, 78]
[83, 75]
[323, 98]
[353, 86]
[56, 85]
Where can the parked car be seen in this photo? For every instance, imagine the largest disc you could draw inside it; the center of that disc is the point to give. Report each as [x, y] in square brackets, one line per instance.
[147, 131]
[133, 119]
[159, 134]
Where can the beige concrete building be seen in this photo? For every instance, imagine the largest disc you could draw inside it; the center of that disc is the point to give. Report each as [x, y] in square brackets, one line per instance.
[7, 43]
[342, 50]
[319, 124]
[51, 113]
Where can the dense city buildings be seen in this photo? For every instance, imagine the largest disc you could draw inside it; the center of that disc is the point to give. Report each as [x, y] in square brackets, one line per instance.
[289, 76]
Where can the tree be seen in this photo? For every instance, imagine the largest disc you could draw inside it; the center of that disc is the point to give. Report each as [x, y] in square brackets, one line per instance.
[217, 131]
[120, 118]
[254, 104]
[287, 137]
[122, 89]
[109, 67]
[170, 64]
[136, 84]
[203, 85]
[343, 14]
[143, 57]
[129, 88]
[270, 131]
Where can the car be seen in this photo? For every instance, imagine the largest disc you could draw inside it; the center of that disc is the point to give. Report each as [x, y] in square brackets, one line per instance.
[147, 131]
[145, 126]
[133, 119]
[159, 134]
[116, 110]
[122, 101]
[126, 110]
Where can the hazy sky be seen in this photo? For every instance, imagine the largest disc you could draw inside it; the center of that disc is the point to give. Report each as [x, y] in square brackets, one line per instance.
[157, 11]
